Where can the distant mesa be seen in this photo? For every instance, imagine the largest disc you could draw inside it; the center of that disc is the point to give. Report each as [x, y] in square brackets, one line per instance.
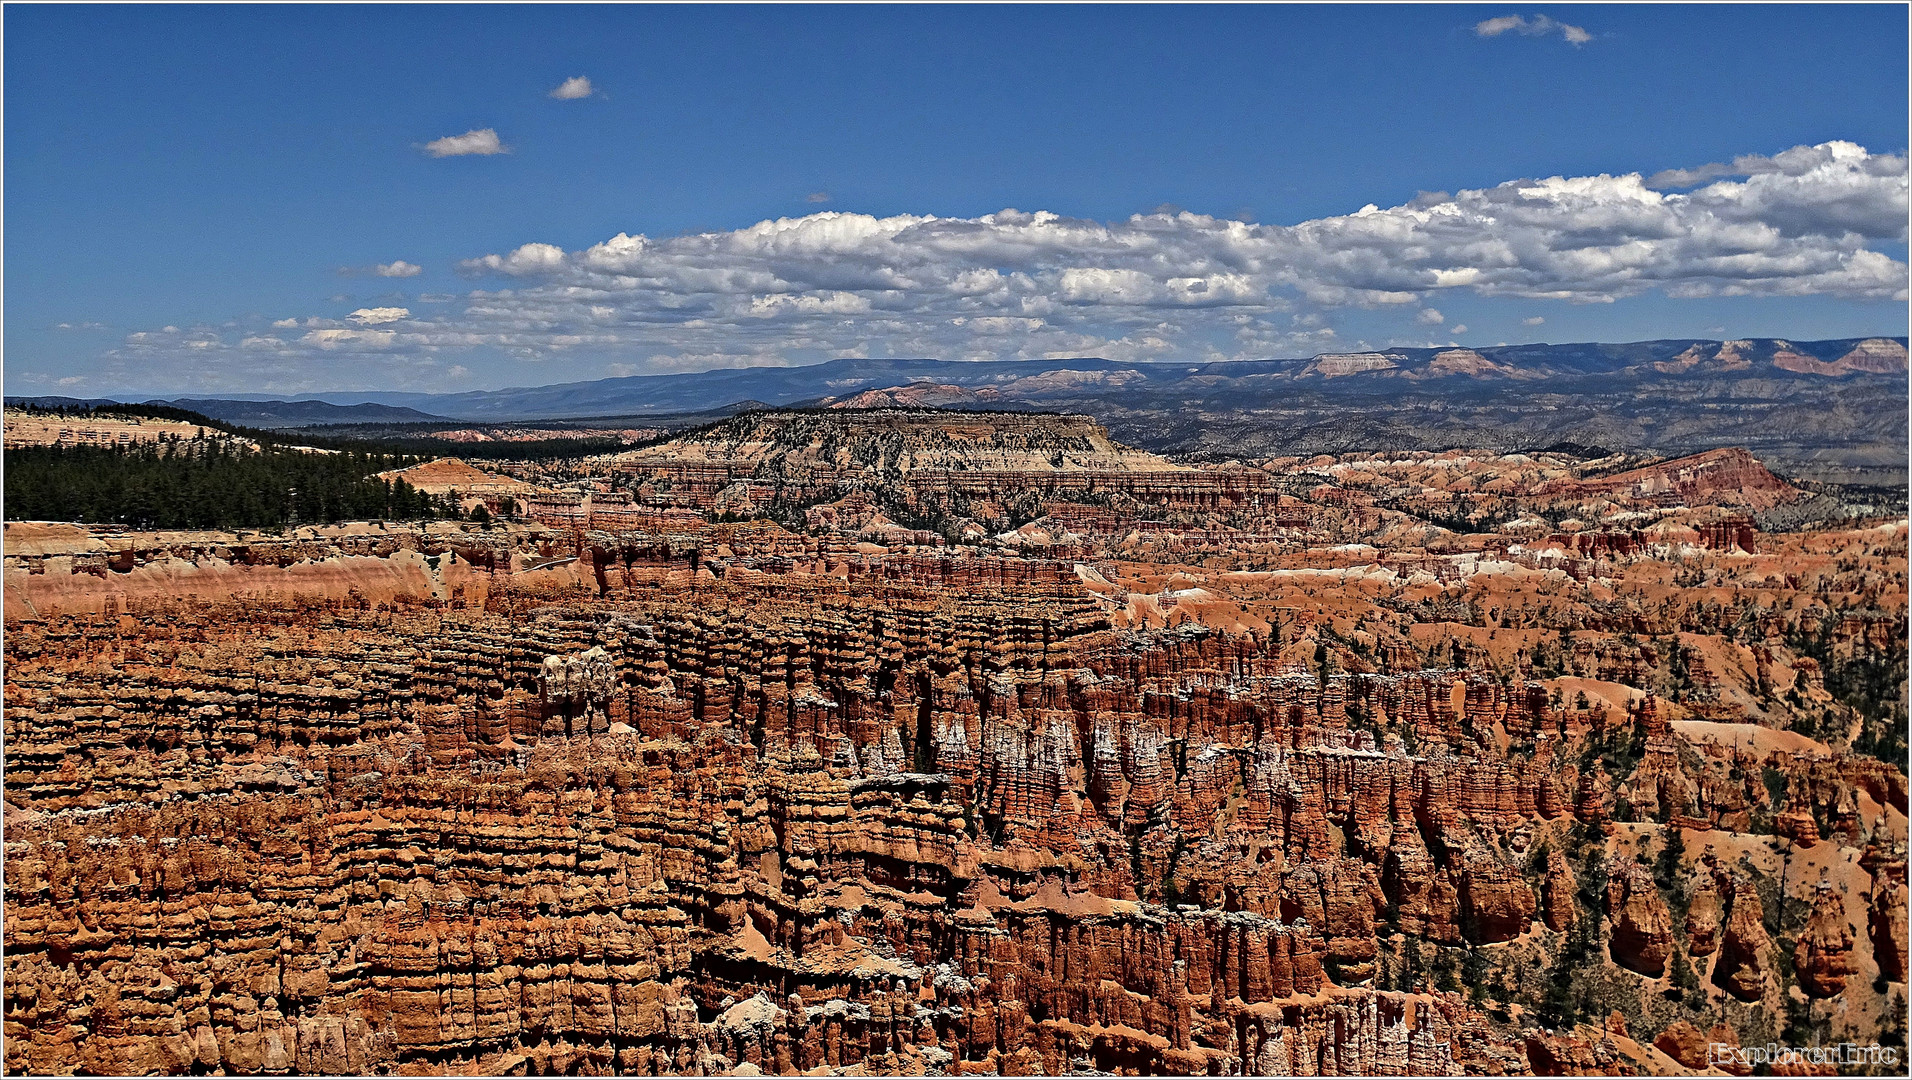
[1473, 364]
[1879, 356]
[1722, 356]
[939, 463]
[887, 439]
[1331, 365]
[1883, 356]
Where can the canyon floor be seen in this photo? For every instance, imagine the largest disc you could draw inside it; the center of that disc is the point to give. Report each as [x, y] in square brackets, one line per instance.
[910, 742]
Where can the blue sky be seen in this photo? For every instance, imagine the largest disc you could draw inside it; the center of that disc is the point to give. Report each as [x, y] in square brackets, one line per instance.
[180, 179]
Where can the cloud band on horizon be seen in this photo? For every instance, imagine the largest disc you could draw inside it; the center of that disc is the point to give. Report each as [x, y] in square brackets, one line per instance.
[1160, 285]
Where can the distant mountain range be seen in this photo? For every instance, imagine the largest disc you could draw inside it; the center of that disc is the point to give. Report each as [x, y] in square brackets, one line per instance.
[1831, 409]
[285, 414]
[264, 413]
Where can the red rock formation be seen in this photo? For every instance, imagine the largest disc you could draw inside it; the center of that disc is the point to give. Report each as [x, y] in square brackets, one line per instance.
[1734, 533]
[1887, 925]
[1823, 954]
[682, 796]
[1559, 888]
[1703, 916]
[1727, 477]
[1742, 967]
[1683, 1043]
[1642, 936]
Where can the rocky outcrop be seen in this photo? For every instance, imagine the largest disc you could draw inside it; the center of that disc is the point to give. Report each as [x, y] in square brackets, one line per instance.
[1559, 887]
[1823, 954]
[1683, 1043]
[1728, 477]
[1686, 1044]
[1496, 903]
[1642, 934]
[1703, 913]
[1742, 968]
[1887, 925]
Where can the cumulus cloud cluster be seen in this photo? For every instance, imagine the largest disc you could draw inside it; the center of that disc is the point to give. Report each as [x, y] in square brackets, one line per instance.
[1822, 160]
[1535, 26]
[1159, 285]
[1798, 223]
[572, 89]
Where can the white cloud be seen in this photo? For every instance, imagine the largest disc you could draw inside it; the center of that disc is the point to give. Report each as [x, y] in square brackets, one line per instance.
[477, 141]
[285, 324]
[398, 268]
[998, 324]
[834, 303]
[1808, 221]
[526, 260]
[1798, 161]
[1588, 239]
[340, 339]
[377, 315]
[1459, 328]
[572, 89]
[817, 197]
[1095, 285]
[1534, 321]
[1535, 26]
